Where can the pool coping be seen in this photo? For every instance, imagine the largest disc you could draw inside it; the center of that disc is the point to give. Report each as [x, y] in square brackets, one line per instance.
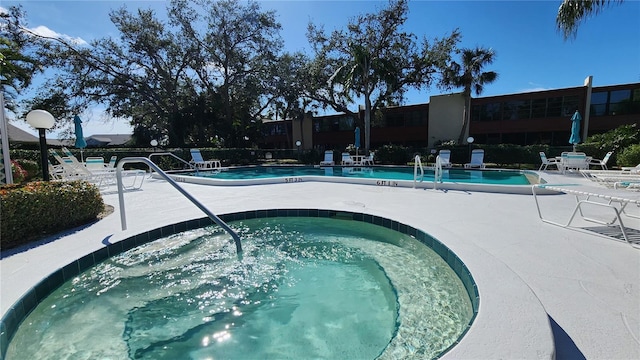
[12, 319]
[524, 189]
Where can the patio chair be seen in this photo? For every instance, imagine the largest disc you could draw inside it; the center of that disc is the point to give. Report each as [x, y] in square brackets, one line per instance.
[445, 158]
[95, 163]
[368, 160]
[574, 161]
[602, 163]
[112, 162]
[546, 162]
[477, 159]
[328, 159]
[56, 172]
[200, 163]
[346, 159]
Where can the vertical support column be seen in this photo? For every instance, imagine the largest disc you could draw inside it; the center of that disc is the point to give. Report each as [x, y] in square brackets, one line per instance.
[588, 83]
[6, 177]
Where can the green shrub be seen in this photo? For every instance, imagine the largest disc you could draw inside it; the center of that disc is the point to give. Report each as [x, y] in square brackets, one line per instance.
[614, 140]
[393, 154]
[630, 156]
[33, 210]
[17, 172]
[31, 167]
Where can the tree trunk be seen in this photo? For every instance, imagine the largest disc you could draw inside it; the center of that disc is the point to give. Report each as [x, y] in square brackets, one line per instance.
[466, 117]
[367, 123]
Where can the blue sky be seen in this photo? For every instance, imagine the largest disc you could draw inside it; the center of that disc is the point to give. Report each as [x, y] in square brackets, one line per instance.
[530, 53]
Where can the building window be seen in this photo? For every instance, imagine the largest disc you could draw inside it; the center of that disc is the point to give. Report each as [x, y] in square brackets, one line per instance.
[620, 102]
[635, 101]
[514, 110]
[562, 106]
[335, 123]
[394, 120]
[277, 129]
[490, 112]
[538, 108]
[599, 103]
[416, 118]
[569, 105]
[554, 107]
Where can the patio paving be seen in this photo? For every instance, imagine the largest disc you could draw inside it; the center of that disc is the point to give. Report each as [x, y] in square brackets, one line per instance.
[545, 291]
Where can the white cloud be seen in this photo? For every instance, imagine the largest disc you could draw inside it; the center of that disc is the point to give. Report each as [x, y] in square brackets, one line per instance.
[533, 87]
[46, 32]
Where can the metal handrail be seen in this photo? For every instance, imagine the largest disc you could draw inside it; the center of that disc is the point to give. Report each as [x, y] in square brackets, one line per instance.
[190, 165]
[153, 166]
[417, 164]
[437, 172]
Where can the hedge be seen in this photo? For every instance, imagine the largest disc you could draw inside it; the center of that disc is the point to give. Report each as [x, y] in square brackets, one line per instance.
[34, 210]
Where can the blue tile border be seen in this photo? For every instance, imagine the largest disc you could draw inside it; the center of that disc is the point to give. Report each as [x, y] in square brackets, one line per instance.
[16, 314]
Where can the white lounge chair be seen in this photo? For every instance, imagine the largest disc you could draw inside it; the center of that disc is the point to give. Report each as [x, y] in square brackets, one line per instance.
[477, 159]
[546, 162]
[445, 158]
[602, 163]
[612, 179]
[73, 170]
[632, 169]
[611, 201]
[347, 159]
[200, 163]
[328, 159]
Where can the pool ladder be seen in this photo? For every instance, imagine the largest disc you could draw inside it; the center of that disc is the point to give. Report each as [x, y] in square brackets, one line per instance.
[417, 164]
[153, 166]
[437, 171]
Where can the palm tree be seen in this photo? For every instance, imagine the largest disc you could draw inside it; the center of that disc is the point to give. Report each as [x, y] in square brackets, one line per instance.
[572, 12]
[469, 75]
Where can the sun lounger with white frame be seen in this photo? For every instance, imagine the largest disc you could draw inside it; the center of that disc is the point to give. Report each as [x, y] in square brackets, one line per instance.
[328, 159]
[615, 202]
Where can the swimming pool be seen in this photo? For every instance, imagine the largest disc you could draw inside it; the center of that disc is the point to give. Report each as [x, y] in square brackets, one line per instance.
[494, 180]
[385, 269]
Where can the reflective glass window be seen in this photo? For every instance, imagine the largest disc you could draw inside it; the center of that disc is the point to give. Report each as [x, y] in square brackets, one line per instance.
[538, 108]
[620, 102]
[491, 112]
[569, 105]
[554, 107]
[599, 103]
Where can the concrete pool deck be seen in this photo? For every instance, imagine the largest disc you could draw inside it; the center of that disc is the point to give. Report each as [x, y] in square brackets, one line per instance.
[545, 291]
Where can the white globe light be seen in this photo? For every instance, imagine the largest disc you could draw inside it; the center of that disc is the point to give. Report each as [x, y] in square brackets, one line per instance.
[40, 119]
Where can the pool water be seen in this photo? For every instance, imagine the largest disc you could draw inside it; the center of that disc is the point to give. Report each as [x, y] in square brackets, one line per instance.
[304, 288]
[502, 177]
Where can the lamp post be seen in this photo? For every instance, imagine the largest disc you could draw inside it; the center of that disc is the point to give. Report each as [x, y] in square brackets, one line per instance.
[470, 141]
[42, 120]
[298, 143]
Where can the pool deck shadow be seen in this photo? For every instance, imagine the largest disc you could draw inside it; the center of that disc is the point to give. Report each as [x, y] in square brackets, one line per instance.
[566, 348]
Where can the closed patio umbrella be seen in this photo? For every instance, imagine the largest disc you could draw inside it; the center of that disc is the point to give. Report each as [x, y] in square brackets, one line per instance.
[575, 129]
[80, 143]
